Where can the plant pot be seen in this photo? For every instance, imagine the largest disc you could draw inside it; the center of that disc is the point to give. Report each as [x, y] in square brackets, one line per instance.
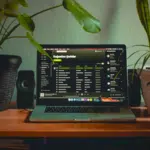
[145, 85]
[9, 65]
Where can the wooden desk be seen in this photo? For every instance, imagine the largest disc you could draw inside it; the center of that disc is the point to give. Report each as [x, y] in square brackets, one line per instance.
[12, 125]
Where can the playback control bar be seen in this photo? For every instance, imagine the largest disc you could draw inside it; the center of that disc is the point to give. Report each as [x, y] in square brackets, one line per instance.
[89, 99]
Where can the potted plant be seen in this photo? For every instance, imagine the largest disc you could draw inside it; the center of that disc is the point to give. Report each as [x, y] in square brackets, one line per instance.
[144, 75]
[10, 64]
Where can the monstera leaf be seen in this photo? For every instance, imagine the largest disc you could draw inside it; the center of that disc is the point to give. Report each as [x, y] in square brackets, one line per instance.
[85, 19]
[26, 22]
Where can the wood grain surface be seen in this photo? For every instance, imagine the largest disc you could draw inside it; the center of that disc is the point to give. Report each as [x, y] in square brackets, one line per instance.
[13, 125]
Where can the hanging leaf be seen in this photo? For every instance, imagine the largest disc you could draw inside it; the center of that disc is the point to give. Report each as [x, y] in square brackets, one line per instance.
[8, 13]
[144, 15]
[37, 46]
[85, 19]
[12, 6]
[26, 22]
[23, 3]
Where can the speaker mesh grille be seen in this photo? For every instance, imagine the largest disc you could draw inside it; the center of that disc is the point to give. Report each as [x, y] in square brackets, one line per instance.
[7, 84]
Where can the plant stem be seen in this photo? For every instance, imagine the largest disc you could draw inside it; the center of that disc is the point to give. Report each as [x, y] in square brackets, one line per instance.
[3, 28]
[16, 26]
[1, 34]
[3, 25]
[16, 37]
[6, 30]
[53, 7]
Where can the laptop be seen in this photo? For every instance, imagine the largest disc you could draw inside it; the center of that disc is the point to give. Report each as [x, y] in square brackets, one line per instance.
[80, 84]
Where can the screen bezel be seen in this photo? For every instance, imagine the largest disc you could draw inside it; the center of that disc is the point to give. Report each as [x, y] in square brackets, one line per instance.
[55, 102]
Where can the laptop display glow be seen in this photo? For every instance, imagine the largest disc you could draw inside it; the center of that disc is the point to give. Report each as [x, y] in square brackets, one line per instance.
[82, 75]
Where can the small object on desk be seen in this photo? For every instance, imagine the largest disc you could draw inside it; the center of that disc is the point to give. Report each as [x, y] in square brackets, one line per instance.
[25, 89]
[134, 86]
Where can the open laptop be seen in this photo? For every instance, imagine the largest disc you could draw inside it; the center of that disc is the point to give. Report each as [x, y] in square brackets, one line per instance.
[80, 84]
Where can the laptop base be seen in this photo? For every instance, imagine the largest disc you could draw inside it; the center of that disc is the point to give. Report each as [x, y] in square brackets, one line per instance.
[39, 115]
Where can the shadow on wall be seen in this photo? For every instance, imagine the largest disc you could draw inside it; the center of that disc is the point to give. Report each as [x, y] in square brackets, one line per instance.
[110, 14]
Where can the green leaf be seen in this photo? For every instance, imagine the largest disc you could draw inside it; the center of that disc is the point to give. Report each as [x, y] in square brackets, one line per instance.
[135, 53]
[23, 3]
[137, 63]
[85, 19]
[9, 13]
[144, 15]
[26, 22]
[138, 46]
[37, 46]
[144, 62]
[120, 71]
[12, 6]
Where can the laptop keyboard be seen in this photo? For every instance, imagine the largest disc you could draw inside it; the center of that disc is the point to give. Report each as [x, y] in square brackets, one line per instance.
[79, 109]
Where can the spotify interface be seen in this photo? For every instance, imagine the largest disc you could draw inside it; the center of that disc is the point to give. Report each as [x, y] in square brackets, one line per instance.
[83, 74]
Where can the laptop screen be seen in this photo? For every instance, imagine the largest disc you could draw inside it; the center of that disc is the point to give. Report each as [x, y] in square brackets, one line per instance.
[82, 74]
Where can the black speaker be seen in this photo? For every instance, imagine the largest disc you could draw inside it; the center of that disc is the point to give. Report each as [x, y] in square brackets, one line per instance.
[25, 89]
[134, 87]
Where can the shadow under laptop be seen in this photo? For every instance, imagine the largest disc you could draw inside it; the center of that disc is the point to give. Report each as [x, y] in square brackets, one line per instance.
[89, 143]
